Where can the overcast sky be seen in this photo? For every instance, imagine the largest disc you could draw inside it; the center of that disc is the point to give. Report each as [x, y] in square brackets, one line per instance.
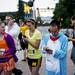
[12, 5]
[8, 5]
[45, 3]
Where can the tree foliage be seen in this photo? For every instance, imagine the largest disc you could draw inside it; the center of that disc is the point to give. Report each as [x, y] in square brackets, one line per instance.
[64, 10]
[21, 10]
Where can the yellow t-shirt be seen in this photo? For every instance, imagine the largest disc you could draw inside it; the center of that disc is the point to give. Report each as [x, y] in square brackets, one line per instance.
[23, 29]
[36, 36]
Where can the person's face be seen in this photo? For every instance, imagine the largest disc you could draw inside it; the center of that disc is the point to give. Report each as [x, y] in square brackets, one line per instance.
[21, 23]
[73, 22]
[30, 25]
[2, 27]
[9, 20]
[54, 31]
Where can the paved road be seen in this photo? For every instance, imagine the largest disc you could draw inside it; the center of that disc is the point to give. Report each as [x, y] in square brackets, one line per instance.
[24, 67]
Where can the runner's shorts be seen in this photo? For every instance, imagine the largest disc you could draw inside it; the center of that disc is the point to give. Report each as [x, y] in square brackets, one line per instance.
[34, 62]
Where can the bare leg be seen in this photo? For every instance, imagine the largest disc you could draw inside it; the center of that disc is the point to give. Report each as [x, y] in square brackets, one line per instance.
[8, 73]
[35, 71]
[25, 53]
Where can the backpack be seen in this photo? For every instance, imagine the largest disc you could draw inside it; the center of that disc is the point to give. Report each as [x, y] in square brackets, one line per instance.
[23, 43]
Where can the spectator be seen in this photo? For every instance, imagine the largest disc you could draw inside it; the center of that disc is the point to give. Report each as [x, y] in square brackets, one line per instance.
[7, 52]
[73, 40]
[13, 29]
[55, 45]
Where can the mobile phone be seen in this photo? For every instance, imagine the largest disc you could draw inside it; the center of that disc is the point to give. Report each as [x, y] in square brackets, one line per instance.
[49, 51]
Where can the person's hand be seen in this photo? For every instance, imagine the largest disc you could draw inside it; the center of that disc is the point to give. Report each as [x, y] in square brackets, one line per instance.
[45, 48]
[49, 51]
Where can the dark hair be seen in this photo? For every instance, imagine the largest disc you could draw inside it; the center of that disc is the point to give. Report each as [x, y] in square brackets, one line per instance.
[55, 23]
[73, 17]
[10, 16]
[33, 22]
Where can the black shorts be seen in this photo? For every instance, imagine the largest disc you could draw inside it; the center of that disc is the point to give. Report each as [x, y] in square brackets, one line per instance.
[34, 62]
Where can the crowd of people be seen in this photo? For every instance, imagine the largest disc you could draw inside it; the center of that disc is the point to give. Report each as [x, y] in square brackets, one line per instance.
[26, 36]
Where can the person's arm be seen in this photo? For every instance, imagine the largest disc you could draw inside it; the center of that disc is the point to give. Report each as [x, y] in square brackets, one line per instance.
[44, 43]
[35, 43]
[63, 51]
[49, 51]
[71, 39]
[11, 45]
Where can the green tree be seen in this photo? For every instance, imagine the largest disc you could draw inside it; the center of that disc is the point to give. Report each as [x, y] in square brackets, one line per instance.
[21, 10]
[64, 10]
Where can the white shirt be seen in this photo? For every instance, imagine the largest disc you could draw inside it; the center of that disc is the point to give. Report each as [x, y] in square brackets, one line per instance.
[14, 32]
